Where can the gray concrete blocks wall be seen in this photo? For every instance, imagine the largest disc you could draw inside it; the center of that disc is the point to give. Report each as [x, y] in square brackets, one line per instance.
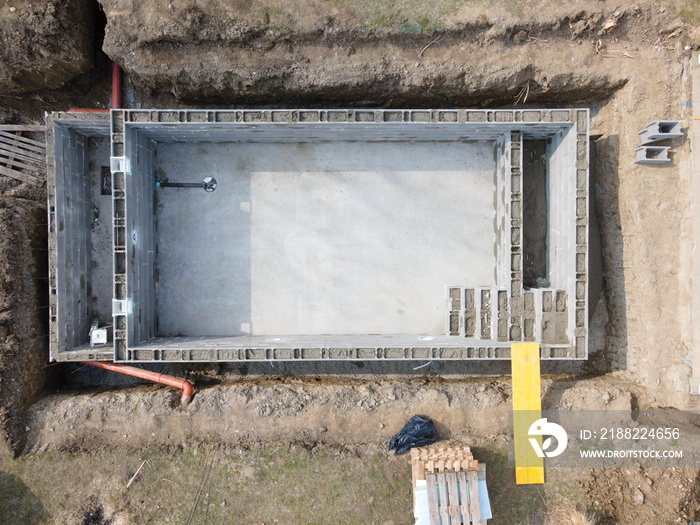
[557, 316]
[288, 116]
[481, 321]
[70, 218]
[516, 224]
[119, 186]
[579, 317]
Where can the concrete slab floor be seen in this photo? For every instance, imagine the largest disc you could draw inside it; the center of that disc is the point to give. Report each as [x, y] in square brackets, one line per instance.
[315, 238]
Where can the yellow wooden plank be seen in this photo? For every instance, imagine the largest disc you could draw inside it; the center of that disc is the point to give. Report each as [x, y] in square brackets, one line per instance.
[527, 408]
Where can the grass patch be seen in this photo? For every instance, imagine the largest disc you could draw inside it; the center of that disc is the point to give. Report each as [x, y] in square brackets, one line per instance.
[281, 482]
[519, 504]
[402, 15]
[690, 12]
[288, 483]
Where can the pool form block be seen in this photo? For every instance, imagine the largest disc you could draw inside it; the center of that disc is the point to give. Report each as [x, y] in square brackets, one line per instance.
[661, 130]
[652, 155]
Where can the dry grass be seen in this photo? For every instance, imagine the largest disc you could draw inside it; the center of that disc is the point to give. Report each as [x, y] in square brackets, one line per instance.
[563, 516]
[271, 483]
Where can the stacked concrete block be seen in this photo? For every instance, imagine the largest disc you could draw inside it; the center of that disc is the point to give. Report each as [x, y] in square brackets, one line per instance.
[554, 317]
[529, 316]
[485, 313]
[654, 132]
[486, 330]
[516, 223]
[503, 316]
[454, 321]
[122, 302]
[578, 318]
[470, 313]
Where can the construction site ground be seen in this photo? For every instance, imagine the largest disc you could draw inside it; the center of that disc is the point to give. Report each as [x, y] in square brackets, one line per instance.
[306, 443]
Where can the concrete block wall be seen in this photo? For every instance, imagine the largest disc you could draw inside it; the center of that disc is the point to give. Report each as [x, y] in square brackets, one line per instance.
[140, 232]
[479, 313]
[69, 221]
[483, 313]
[482, 321]
[516, 237]
[134, 238]
[579, 316]
[119, 185]
[556, 317]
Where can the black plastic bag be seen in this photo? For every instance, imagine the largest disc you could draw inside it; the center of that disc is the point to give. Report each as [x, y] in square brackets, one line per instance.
[416, 433]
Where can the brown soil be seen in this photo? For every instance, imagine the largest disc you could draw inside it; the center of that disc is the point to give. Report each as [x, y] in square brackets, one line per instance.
[45, 44]
[318, 53]
[330, 411]
[631, 495]
[23, 296]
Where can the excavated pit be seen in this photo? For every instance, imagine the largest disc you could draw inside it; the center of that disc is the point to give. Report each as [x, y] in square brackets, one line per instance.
[422, 88]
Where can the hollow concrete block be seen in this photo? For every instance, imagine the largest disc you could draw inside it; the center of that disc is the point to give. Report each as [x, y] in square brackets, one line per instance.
[652, 155]
[661, 130]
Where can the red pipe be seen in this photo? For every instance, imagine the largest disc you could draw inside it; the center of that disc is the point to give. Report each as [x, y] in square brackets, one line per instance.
[186, 386]
[116, 86]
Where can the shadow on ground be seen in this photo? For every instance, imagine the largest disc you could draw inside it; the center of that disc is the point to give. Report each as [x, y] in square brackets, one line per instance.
[18, 504]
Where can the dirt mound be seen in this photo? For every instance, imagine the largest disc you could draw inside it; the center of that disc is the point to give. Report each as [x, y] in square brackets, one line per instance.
[309, 54]
[279, 409]
[23, 326]
[45, 44]
[630, 496]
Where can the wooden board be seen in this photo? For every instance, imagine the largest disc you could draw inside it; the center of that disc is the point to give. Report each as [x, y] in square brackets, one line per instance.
[442, 496]
[24, 177]
[20, 153]
[474, 506]
[25, 140]
[433, 510]
[432, 460]
[9, 160]
[453, 509]
[11, 139]
[23, 127]
[453, 498]
[463, 493]
[527, 408]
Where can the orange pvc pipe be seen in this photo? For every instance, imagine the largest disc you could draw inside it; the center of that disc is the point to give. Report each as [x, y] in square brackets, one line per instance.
[186, 386]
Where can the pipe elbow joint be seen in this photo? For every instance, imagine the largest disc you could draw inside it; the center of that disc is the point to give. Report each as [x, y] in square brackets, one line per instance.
[187, 393]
